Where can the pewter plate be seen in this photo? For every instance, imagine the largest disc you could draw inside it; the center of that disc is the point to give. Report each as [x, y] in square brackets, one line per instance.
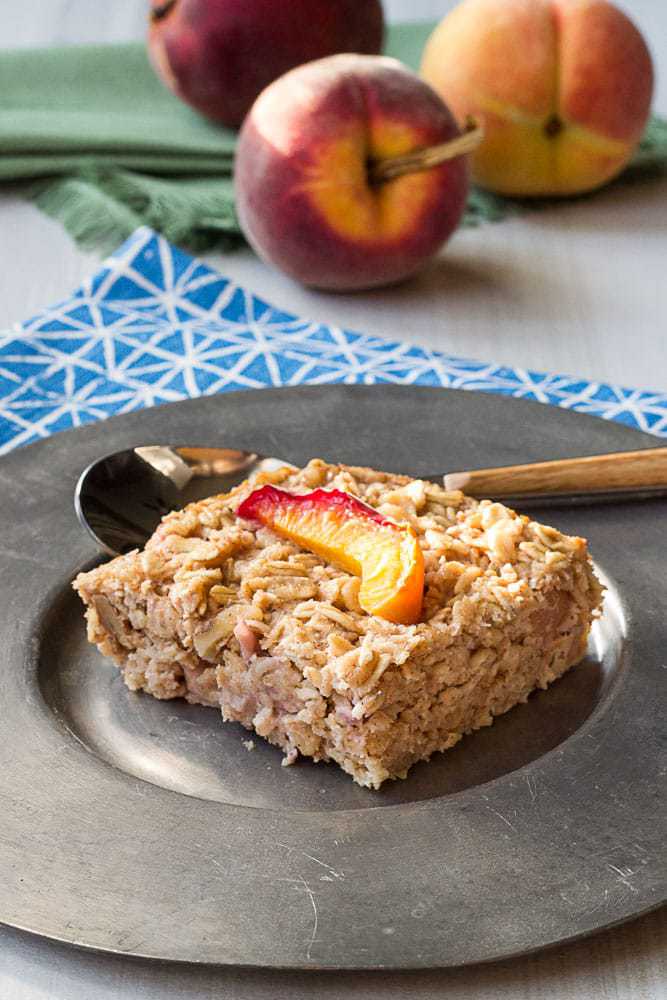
[149, 828]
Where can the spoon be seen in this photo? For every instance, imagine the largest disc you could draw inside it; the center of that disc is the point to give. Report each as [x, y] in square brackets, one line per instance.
[120, 499]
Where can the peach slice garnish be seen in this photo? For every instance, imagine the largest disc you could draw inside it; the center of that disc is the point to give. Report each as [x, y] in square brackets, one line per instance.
[347, 532]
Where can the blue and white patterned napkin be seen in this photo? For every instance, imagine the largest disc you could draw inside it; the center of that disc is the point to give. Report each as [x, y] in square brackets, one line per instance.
[154, 325]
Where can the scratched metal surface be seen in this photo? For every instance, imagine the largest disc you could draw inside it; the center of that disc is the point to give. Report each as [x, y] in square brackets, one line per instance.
[142, 829]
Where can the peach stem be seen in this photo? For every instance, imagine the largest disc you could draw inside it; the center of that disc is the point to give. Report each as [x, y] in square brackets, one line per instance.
[423, 159]
[162, 10]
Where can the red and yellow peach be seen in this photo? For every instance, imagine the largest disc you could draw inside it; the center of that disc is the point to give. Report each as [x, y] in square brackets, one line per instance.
[306, 196]
[561, 87]
[217, 55]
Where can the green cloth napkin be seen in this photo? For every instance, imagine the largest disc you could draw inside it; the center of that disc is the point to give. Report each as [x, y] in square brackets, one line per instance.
[101, 145]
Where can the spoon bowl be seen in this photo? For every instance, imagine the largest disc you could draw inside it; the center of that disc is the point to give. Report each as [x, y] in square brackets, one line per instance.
[121, 498]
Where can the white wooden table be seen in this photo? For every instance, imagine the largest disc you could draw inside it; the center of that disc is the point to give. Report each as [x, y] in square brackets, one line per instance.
[580, 290]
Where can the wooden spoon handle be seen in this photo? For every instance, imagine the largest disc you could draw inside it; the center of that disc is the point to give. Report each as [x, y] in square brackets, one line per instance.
[623, 471]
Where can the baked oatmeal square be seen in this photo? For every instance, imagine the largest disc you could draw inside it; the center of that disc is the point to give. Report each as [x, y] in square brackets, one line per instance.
[225, 612]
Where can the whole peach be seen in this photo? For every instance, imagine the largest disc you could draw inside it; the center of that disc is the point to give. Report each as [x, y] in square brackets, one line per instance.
[562, 87]
[305, 195]
[217, 55]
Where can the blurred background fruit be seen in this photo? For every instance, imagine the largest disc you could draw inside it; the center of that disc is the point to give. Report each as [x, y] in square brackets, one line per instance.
[307, 195]
[217, 55]
[562, 87]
